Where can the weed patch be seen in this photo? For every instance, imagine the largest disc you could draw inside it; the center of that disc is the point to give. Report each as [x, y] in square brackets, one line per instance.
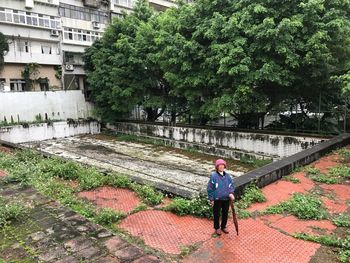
[290, 178]
[303, 206]
[107, 216]
[148, 194]
[11, 212]
[342, 221]
[252, 194]
[198, 207]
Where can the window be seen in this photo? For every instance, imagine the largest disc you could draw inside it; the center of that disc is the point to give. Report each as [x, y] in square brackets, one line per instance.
[46, 49]
[17, 85]
[8, 15]
[44, 84]
[80, 35]
[31, 19]
[23, 46]
[83, 13]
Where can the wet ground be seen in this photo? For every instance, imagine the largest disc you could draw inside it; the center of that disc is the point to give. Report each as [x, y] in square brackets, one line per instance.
[54, 233]
[173, 170]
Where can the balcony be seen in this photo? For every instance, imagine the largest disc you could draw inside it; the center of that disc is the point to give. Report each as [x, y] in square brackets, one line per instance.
[33, 20]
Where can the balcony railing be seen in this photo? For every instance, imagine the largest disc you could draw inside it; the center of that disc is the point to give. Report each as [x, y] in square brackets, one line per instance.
[23, 18]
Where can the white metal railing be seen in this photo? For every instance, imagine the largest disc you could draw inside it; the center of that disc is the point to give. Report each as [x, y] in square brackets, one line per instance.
[22, 18]
[83, 36]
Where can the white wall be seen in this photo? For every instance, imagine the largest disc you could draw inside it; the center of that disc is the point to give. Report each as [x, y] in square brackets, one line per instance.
[43, 131]
[275, 146]
[58, 105]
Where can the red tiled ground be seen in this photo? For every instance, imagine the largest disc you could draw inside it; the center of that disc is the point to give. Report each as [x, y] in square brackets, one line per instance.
[325, 163]
[334, 207]
[257, 243]
[342, 191]
[283, 190]
[108, 197]
[2, 174]
[291, 224]
[166, 231]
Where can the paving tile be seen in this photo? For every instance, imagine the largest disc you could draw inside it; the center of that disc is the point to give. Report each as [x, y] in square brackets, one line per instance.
[118, 199]
[167, 231]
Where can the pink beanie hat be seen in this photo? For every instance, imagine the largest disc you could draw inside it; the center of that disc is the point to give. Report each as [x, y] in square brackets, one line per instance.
[220, 161]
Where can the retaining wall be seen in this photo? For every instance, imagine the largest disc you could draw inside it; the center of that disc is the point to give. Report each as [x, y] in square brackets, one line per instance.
[46, 131]
[53, 105]
[220, 142]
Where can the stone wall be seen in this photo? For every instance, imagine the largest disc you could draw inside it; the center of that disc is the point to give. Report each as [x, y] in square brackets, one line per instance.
[218, 141]
[45, 131]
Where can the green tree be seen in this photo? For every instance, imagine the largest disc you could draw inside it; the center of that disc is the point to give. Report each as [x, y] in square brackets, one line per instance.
[121, 70]
[30, 74]
[4, 48]
[245, 57]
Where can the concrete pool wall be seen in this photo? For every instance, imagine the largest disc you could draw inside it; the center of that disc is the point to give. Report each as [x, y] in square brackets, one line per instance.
[231, 144]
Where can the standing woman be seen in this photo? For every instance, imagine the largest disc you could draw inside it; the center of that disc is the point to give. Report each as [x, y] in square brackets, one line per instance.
[220, 192]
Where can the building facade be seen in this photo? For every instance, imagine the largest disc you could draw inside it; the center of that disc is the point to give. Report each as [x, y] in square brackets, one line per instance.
[33, 32]
[47, 39]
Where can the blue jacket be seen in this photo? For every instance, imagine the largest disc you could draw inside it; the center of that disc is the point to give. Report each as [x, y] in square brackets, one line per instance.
[219, 187]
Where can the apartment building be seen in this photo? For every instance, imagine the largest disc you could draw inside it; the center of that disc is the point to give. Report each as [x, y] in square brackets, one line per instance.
[32, 28]
[54, 34]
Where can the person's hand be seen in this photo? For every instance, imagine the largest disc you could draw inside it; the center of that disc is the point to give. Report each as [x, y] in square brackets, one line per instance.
[211, 203]
[232, 197]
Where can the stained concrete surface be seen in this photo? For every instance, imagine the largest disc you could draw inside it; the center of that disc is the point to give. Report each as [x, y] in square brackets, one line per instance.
[165, 168]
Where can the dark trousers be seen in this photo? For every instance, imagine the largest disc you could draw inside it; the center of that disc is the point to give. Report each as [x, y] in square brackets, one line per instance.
[220, 206]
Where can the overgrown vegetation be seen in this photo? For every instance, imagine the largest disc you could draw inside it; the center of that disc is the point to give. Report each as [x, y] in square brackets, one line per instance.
[316, 175]
[107, 216]
[344, 153]
[252, 194]
[197, 206]
[342, 243]
[292, 179]
[342, 220]
[200, 206]
[29, 168]
[303, 206]
[10, 212]
[340, 171]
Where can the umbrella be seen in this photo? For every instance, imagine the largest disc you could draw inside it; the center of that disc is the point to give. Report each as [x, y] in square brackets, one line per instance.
[234, 216]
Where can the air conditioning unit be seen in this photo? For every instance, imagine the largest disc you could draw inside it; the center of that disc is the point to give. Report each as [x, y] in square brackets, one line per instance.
[96, 25]
[69, 67]
[54, 33]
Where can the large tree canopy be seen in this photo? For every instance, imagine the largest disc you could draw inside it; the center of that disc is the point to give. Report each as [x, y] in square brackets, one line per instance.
[242, 57]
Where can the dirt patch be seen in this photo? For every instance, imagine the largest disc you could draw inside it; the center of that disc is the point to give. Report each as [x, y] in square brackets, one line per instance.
[325, 254]
[98, 148]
